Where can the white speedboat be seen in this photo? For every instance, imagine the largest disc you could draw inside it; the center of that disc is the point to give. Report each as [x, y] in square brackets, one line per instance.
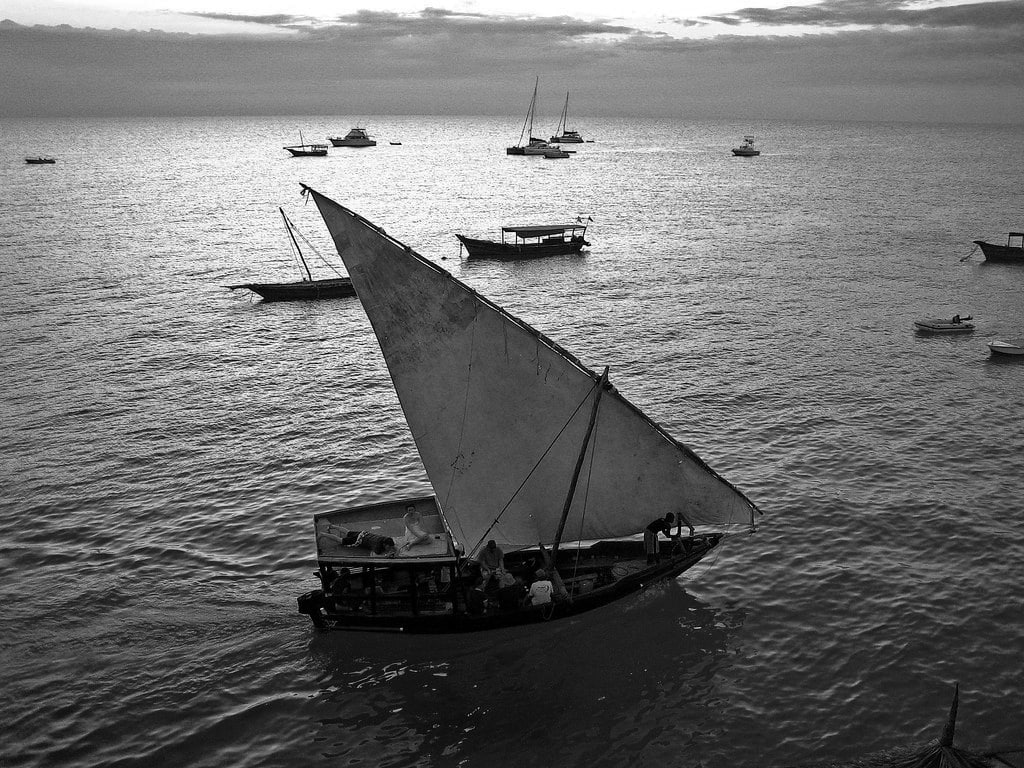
[956, 324]
[1006, 347]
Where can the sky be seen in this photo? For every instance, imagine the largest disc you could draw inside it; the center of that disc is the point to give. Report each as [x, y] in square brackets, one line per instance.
[892, 60]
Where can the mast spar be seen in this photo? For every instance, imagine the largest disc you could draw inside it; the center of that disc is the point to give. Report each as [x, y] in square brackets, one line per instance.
[291, 234]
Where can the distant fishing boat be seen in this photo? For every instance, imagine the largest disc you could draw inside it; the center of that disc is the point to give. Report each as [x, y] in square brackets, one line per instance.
[302, 149]
[533, 146]
[357, 137]
[307, 287]
[523, 446]
[746, 148]
[563, 134]
[1012, 252]
[530, 241]
[40, 160]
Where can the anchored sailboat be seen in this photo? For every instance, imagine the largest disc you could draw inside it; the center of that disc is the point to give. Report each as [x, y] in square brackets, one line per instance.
[522, 445]
[533, 146]
[563, 134]
[307, 287]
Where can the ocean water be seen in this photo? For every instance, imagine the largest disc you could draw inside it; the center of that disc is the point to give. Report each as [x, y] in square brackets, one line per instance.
[165, 442]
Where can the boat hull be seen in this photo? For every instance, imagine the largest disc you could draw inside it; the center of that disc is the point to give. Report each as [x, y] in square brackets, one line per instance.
[489, 249]
[353, 142]
[746, 152]
[40, 160]
[332, 288]
[1006, 348]
[943, 326]
[1001, 253]
[456, 620]
[297, 152]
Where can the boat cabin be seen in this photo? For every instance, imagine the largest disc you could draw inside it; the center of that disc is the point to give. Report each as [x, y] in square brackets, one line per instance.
[363, 573]
[1018, 236]
[546, 234]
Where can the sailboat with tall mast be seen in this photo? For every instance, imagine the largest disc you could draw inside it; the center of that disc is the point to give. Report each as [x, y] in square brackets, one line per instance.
[302, 149]
[522, 445]
[533, 145]
[564, 134]
[307, 287]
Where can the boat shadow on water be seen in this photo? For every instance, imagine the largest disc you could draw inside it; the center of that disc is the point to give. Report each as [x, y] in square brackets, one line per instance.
[522, 691]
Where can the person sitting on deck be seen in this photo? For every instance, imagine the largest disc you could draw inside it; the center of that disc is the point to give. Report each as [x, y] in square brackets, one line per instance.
[661, 525]
[414, 533]
[541, 589]
[491, 561]
[377, 543]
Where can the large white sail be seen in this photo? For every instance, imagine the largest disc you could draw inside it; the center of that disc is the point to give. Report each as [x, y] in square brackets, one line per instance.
[499, 412]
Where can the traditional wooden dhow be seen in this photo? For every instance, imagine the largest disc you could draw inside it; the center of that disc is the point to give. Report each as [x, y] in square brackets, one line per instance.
[302, 149]
[544, 495]
[304, 289]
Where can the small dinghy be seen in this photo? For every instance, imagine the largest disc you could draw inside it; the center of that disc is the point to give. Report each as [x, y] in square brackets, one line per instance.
[1006, 347]
[956, 324]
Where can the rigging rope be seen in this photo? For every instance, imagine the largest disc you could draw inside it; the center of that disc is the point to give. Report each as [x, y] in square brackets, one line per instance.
[975, 248]
[535, 466]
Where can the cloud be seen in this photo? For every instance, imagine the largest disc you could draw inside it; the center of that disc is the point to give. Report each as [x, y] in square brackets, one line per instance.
[442, 62]
[880, 13]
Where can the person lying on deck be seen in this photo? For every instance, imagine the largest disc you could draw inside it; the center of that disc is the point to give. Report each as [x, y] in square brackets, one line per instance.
[377, 543]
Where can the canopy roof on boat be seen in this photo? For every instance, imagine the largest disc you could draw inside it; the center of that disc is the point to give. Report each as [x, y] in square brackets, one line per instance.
[543, 230]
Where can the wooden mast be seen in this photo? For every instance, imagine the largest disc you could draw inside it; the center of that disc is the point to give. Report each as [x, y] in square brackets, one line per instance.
[291, 234]
[556, 579]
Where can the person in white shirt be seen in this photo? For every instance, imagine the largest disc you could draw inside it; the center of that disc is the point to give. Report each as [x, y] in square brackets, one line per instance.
[541, 589]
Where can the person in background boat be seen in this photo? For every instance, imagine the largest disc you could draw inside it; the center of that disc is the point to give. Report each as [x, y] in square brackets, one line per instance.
[661, 525]
[414, 533]
[956, 319]
[541, 590]
[491, 561]
[511, 593]
[377, 543]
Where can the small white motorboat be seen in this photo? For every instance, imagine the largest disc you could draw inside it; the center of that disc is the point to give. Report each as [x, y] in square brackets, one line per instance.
[1006, 347]
[956, 324]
